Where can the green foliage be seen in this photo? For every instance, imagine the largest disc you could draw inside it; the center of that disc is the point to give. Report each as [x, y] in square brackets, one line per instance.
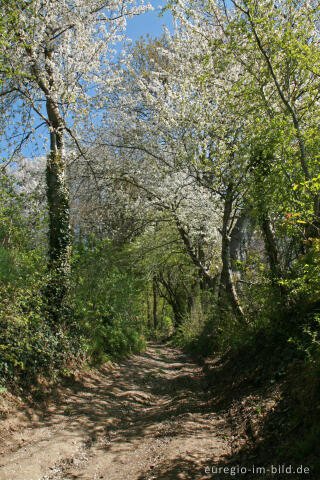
[107, 300]
[11, 220]
[188, 332]
[120, 337]
[195, 332]
[29, 346]
[103, 315]
[307, 341]
[303, 282]
[164, 330]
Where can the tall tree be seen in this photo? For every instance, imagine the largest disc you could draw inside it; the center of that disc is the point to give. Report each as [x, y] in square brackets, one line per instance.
[59, 58]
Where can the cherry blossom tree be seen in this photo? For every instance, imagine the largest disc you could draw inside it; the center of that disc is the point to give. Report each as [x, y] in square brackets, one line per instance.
[57, 63]
[182, 128]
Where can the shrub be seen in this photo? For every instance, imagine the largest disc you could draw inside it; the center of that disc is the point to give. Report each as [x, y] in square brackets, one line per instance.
[106, 299]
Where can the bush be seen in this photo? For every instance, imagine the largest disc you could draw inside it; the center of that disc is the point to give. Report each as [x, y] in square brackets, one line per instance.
[106, 298]
[307, 341]
[29, 346]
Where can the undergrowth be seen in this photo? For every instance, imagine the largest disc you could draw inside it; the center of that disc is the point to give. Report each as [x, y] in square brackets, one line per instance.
[102, 321]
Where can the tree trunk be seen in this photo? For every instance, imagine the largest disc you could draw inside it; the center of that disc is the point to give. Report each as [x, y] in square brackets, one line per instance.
[59, 221]
[149, 310]
[155, 303]
[270, 245]
[272, 251]
[206, 281]
[227, 290]
[239, 241]
[57, 193]
[178, 313]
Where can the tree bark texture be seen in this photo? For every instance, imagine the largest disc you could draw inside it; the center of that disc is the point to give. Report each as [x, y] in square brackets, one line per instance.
[57, 191]
[270, 244]
[206, 281]
[227, 290]
[59, 218]
[155, 303]
[239, 240]
[176, 298]
[272, 250]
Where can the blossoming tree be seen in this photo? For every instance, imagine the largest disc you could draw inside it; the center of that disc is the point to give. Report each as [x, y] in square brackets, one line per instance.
[59, 57]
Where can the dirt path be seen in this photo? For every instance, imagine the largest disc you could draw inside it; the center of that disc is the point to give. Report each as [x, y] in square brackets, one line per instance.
[144, 419]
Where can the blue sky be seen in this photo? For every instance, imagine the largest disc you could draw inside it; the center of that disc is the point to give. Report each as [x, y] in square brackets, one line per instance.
[149, 22]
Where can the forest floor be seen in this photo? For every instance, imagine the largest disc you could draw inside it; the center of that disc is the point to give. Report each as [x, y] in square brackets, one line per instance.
[153, 416]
